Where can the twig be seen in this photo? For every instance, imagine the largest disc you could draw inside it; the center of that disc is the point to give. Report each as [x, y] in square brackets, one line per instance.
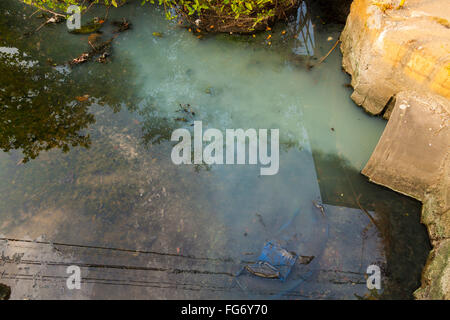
[359, 204]
[47, 10]
[366, 212]
[107, 12]
[325, 56]
[39, 28]
[53, 19]
[87, 9]
[34, 13]
[319, 206]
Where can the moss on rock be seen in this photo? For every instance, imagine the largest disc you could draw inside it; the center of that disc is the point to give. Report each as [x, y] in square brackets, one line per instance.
[436, 276]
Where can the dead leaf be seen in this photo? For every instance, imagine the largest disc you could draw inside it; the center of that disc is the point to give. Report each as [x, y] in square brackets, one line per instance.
[82, 98]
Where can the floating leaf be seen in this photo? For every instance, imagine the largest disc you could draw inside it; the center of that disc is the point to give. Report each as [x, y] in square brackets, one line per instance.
[82, 98]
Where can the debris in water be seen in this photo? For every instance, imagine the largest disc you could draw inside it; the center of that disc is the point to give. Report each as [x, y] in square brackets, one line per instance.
[305, 259]
[101, 49]
[325, 56]
[82, 98]
[189, 113]
[94, 26]
[122, 25]
[94, 39]
[81, 59]
[103, 57]
[263, 270]
[54, 19]
[319, 206]
[260, 218]
[274, 262]
[210, 90]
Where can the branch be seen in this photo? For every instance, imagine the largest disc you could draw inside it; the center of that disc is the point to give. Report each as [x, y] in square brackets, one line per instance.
[324, 57]
[44, 9]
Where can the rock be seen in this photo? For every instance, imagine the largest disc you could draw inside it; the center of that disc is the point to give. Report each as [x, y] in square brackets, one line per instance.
[5, 292]
[91, 27]
[393, 50]
[436, 277]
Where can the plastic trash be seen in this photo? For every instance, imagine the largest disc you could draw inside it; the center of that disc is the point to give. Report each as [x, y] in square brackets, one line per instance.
[274, 262]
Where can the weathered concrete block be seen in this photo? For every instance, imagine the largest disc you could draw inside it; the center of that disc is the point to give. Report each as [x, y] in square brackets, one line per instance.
[412, 155]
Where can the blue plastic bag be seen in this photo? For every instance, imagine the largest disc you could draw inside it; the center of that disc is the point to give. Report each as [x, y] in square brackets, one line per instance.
[274, 262]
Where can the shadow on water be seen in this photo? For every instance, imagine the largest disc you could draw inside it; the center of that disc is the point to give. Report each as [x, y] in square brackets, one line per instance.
[397, 218]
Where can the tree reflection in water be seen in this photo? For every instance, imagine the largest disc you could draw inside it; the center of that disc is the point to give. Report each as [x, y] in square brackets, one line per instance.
[38, 108]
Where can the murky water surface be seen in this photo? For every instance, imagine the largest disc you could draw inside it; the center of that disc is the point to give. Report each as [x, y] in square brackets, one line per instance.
[86, 176]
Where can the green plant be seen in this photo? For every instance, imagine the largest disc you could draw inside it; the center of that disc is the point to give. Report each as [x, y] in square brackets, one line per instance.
[258, 10]
[235, 8]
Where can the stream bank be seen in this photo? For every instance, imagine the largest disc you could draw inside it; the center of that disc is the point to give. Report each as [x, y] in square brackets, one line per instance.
[400, 67]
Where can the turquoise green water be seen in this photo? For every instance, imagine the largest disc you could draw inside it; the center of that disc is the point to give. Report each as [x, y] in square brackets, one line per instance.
[195, 226]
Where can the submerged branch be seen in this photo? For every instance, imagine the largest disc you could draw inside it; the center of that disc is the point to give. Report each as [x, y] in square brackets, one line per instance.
[329, 52]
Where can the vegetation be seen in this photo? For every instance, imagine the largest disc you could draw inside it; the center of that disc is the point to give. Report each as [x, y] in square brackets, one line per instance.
[211, 15]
